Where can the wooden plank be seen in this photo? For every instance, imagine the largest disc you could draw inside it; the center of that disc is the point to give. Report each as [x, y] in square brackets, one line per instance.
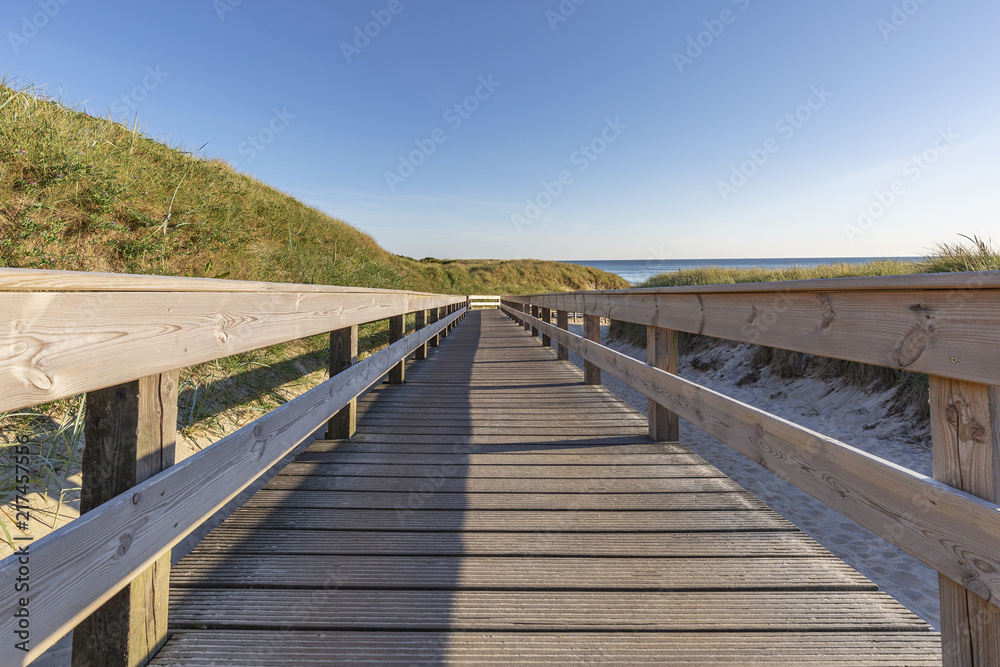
[224, 540]
[546, 317]
[562, 321]
[82, 565]
[505, 573]
[343, 355]
[592, 332]
[501, 471]
[420, 321]
[503, 485]
[528, 522]
[952, 531]
[272, 648]
[947, 332]
[397, 331]
[540, 611]
[965, 429]
[131, 436]
[376, 447]
[61, 344]
[517, 459]
[661, 352]
[429, 499]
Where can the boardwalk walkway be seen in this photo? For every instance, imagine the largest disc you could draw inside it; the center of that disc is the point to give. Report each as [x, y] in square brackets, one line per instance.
[496, 510]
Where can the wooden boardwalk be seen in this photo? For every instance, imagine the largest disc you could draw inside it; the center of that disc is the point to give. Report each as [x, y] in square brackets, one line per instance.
[495, 510]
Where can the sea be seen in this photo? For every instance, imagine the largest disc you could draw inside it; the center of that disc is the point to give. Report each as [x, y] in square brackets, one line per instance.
[637, 271]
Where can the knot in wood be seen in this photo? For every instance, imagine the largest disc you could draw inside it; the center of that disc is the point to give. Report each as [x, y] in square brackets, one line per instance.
[912, 346]
[125, 543]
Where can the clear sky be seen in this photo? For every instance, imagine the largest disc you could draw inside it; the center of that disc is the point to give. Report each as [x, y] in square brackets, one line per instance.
[564, 129]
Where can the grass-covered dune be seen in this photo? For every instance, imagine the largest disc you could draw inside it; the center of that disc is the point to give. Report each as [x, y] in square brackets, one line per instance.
[80, 192]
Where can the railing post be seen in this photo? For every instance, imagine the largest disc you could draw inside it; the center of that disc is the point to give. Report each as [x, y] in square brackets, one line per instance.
[534, 313]
[443, 310]
[131, 433]
[562, 321]
[965, 432]
[421, 323]
[661, 352]
[591, 331]
[434, 314]
[547, 318]
[397, 330]
[525, 308]
[343, 355]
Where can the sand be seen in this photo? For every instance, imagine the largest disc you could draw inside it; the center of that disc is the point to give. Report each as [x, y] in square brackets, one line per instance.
[850, 415]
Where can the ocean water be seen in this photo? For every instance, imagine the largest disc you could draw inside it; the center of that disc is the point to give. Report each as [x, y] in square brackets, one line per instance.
[639, 270]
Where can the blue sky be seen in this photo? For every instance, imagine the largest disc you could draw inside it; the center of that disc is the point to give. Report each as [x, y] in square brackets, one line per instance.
[584, 129]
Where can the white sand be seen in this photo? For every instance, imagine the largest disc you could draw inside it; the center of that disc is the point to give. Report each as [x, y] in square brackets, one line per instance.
[849, 415]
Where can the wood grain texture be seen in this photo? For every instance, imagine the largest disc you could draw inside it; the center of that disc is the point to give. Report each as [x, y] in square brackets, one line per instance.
[60, 344]
[952, 531]
[131, 436]
[965, 430]
[343, 355]
[662, 353]
[758, 649]
[397, 331]
[592, 332]
[83, 564]
[951, 331]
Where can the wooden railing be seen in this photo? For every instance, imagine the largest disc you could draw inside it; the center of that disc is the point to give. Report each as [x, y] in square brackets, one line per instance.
[122, 339]
[947, 326]
[477, 301]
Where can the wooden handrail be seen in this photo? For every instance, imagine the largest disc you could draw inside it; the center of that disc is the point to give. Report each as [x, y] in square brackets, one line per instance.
[945, 325]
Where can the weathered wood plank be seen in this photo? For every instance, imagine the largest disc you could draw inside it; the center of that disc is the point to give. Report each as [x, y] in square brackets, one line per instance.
[225, 540]
[806, 649]
[662, 353]
[334, 609]
[504, 573]
[965, 429]
[502, 471]
[343, 355]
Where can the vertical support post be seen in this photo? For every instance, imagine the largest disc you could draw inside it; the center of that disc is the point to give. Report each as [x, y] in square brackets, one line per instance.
[547, 318]
[661, 352]
[591, 331]
[534, 313]
[965, 432]
[525, 308]
[343, 355]
[562, 321]
[444, 314]
[421, 323]
[131, 434]
[397, 330]
[434, 316]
